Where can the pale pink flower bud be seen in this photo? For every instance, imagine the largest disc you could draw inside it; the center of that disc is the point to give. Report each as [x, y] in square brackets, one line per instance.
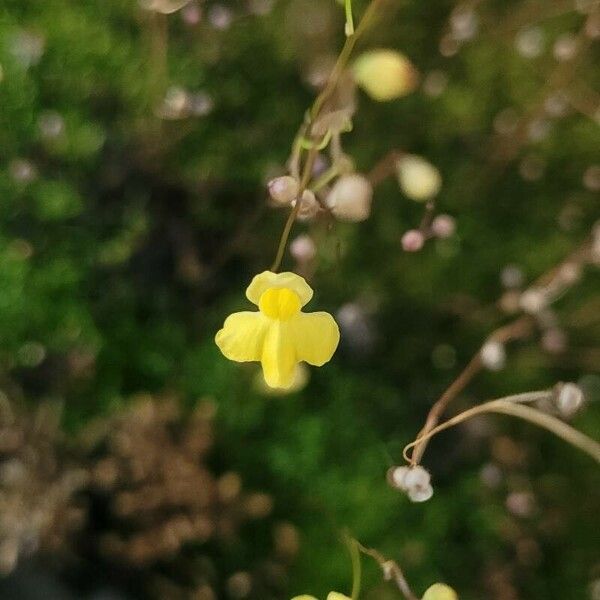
[283, 190]
[303, 248]
[309, 206]
[350, 198]
[443, 226]
[413, 240]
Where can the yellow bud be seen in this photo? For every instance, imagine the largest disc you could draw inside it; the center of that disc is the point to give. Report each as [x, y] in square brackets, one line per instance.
[385, 74]
[440, 591]
[418, 178]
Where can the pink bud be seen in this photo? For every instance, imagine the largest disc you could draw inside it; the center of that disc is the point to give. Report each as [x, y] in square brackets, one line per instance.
[303, 248]
[443, 226]
[283, 190]
[412, 240]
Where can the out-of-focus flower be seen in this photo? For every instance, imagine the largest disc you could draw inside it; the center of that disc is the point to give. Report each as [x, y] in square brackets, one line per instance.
[330, 596]
[283, 190]
[418, 178]
[385, 74]
[279, 335]
[440, 591]
[350, 198]
[165, 7]
[301, 378]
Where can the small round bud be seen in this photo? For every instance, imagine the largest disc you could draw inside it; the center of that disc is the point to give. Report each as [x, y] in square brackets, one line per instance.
[493, 355]
[385, 74]
[443, 226]
[283, 190]
[569, 399]
[532, 301]
[520, 504]
[303, 248]
[309, 206]
[396, 476]
[417, 484]
[530, 42]
[554, 341]
[418, 178]
[413, 240]
[511, 276]
[350, 198]
[440, 591]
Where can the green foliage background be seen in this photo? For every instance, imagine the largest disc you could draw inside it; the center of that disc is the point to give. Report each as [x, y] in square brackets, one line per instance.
[95, 266]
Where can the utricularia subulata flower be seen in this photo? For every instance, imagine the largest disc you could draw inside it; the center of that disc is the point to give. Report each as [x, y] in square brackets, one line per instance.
[279, 334]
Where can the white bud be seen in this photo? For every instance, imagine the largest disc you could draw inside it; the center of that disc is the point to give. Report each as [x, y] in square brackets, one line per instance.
[303, 248]
[532, 301]
[412, 241]
[350, 198]
[443, 226]
[420, 493]
[512, 276]
[309, 206]
[418, 178]
[493, 355]
[417, 484]
[396, 476]
[283, 190]
[569, 399]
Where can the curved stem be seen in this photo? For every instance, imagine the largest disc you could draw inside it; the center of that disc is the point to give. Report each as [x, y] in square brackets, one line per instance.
[513, 406]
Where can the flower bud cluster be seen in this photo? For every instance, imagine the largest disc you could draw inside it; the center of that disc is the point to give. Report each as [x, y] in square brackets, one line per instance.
[415, 481]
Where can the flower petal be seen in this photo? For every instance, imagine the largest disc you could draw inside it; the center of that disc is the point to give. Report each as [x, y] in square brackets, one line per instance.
[243, 336]
[304, 597]
[267, 279]
[337, 596]
[316, 336]
[279, 355]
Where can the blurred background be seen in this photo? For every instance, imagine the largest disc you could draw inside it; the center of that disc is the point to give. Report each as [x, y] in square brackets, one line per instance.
[136, 141]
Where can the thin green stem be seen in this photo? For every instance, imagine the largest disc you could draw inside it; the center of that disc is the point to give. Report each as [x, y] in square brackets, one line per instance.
[349, 17]
[314, 112]
[356, 567]
[514, 407]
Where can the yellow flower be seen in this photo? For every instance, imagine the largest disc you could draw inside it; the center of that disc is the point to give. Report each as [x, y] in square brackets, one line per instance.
[385, 74]
[330, 596]
[279, 335]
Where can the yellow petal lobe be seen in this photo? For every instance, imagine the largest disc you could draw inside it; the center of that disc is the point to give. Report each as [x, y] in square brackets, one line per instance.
[316, 336]
[337, 596]
[279, 355]
[267, 279]
[243, 335]
[304, 597]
